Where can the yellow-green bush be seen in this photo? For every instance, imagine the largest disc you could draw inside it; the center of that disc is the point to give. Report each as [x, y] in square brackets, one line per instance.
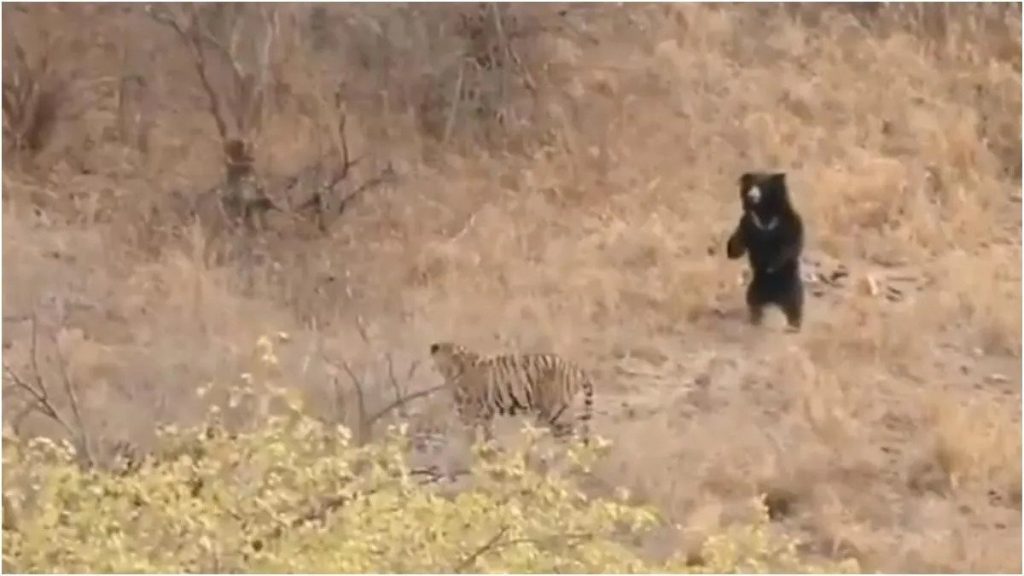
[292, 494]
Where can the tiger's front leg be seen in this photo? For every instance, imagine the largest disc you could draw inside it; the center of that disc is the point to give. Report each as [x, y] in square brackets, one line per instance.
[475, 417]
[488, 426]
[485, 425]
[485, 420]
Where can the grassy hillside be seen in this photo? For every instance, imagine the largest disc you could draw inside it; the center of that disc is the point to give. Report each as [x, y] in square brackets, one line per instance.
[542, 177]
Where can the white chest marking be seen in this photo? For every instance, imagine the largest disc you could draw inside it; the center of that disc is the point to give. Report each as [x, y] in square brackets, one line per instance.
[770, 225]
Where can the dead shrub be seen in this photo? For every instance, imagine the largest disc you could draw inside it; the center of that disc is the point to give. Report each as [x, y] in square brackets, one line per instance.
[32, 98]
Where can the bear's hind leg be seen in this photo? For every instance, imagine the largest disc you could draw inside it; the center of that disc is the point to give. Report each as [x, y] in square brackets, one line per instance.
[793, 306]
[755, 302]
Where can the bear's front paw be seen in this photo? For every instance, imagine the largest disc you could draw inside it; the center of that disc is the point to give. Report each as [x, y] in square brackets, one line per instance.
[733, 249]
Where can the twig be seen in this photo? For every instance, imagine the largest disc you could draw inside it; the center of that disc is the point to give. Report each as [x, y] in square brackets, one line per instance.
[69, 389]
[317, 514]
[366, 422]
[493, 544]
[273, 26]
[456, 100]
[34, 353]
[391, 377]
[528, 80]
[364, 428]
[465, 228]
[326, 506]
[192, 40]
[433, 475]
[40, 400]
[342, 121]
[31, 405]
[490, 544]
[377, 180]
[361, 328]
[412, 369]
[403, 401]
[506, 53]
[40, 396]
[339, 404]
[561, 538]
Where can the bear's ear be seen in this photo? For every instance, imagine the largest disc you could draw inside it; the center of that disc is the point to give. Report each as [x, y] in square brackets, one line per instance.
[746, 181]
[778, 179]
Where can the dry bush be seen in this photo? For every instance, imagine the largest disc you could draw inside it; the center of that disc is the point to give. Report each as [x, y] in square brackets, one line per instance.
[975, 445]
[36, 83]
[31, 97]
[466, 72]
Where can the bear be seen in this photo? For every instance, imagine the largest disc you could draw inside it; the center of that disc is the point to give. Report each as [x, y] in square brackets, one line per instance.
[771, 232]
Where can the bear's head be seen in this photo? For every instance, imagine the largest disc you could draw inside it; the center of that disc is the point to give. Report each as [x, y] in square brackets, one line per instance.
[764, 196]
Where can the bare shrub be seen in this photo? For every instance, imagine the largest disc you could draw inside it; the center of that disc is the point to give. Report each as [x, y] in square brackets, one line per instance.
[32, 97]
[467, 72]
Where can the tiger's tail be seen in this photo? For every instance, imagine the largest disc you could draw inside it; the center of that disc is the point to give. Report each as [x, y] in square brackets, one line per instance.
[587, 385]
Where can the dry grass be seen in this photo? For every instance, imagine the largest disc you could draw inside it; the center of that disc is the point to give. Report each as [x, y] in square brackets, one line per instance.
[582, 206]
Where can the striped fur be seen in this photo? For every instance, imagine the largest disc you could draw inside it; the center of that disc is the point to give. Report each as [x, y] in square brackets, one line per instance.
[541, 384]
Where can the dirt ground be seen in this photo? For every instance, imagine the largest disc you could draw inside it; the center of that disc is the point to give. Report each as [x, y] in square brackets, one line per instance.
[576, 198]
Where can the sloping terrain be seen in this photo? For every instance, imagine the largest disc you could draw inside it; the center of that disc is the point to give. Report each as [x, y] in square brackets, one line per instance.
[575, 196]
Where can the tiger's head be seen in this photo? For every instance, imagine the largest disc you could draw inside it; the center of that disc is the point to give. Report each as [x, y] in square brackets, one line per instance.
[451, 359]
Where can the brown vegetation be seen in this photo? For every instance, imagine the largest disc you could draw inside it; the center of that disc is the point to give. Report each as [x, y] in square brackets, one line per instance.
[544, 177]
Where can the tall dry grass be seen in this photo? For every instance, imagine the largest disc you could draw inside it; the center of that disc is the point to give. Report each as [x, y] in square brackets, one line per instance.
[576, 198]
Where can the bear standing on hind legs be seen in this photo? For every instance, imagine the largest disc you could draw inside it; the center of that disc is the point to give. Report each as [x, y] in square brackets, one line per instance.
[772, 234]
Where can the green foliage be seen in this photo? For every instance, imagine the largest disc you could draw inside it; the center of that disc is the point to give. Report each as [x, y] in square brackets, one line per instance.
[292, 494]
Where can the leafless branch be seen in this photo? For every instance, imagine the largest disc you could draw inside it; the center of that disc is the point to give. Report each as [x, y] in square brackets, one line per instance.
[403, 401]
[328, 505]
[510, 54]
[238, 114]
[412, 369]
[495, 544]
[489, 545]
[317, 513]
[193, 39]
[386, 175]
[339, 403]
[391, 377]
[364, 428]
[342, 142]
[453, 112]
[335, 119]
[361, 328]
[72, 394]
[433, 475]
[367, 420]
[40, 400]
[32, 97]
[504, 48]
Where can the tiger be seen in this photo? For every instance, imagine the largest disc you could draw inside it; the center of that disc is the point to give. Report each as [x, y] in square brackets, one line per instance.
[507, 384]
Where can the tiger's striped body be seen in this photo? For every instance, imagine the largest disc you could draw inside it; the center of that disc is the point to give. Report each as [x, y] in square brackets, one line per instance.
[509, 384]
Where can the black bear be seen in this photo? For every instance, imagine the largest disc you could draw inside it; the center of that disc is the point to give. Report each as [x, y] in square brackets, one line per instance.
[772, 233]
